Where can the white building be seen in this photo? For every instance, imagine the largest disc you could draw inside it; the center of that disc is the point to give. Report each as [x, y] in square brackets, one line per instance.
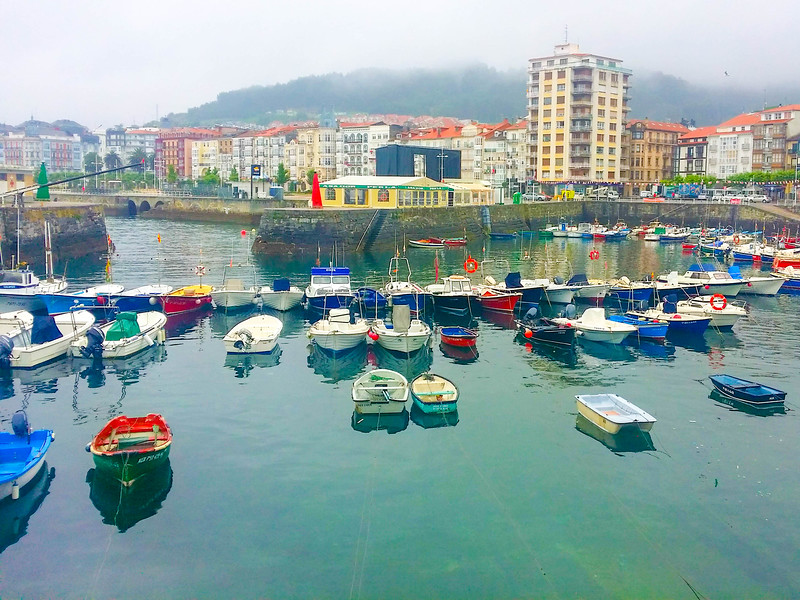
[730, 148]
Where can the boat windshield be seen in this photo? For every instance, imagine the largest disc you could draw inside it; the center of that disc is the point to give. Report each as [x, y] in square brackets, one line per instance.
[341, 280]
[722, 275]
[320, 280]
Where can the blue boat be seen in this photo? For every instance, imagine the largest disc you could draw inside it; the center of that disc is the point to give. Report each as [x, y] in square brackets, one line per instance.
[95, 299]
[647, 329]
[22, 455]
[329, 288]
[503, 236]
[749, 392]
[370, 299]
[141, 299]
[792, 283]
[531, 292]
[631, 291]
[434, 394]
[691, 326]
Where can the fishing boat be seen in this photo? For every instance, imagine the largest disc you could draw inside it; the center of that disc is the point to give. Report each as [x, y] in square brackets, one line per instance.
[723, 313]
[256, 335]
[612, 413]
[452, 242]
[380, 391]
[20, 290]
[128, 447]
[281, 296]
[335, 333]
[679, 324]
[454, 296]
[427, 243]
[589, 291]
[495, 300]
[95, 298]
[460, 337]
[531, 291]
[646, 329]
[329, 289]
[30, 340]
[22, 455]
[711, 280]
[401, 290]
[593, 326]
[627, 291]
[503, 236]
[233, 294]
[141, 299]
[185, 299]
[126, 335]
[403, 334]
[370, 300]
[434, 394]
[748, 392]
[756, 285]
[532, 329]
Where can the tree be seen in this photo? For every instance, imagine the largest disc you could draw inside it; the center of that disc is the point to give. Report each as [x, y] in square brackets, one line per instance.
[310, 176]
[210, 176]
[138, 157]
[234, 175]
[91, 162]
[282, 176]
[112, 160]
[172, 174]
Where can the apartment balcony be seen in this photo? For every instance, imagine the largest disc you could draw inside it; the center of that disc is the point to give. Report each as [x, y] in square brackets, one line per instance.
[582, 103]
[581, 151]
[581, 128]
[758, 136]
[582, 76]
[580, 137]
[582, 89]
[584, 114]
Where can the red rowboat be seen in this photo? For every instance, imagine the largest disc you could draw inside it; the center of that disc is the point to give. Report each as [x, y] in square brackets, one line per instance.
[191, 297]
[498, 301]
[455, 241]
[459, 336]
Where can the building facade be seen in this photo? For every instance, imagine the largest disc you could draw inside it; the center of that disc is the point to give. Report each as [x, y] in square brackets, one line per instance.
[577, 107]
[771, 136]
[691, 153]
[730, 147]
[652, 151]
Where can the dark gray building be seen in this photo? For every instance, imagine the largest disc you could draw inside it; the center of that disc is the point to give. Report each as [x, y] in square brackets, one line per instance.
[411, 161]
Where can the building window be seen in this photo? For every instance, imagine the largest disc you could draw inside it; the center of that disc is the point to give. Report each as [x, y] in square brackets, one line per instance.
[548, 101]
[560, 100]
[546, 137]
[330, 194]
[547, 113]
[601, 138]
[562, 74]
[559, 124]
[383, 195]
[550, 63]
[599, 150]
[561, 87]
[598, 175]
[563, 61]
[548, 75]
[601, 100]
[612, 126]
[559, 149]
[602, 74]
[559, 137]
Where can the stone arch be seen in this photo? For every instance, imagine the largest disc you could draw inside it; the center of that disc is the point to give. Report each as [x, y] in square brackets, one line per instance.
[159, 204]
[132, 210]
[144, 206]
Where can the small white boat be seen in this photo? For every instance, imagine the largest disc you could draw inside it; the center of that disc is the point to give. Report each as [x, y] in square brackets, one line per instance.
[380, 392]
[404, 334]
[281, 296]
[47, 338]
[613, 413]
[757, 285]
[233, 294]
[555, 291]
[335, 331]
[126, 335]
[19, 289]
[594, 326]
[723, 312]
[711, 281]
[256, 335]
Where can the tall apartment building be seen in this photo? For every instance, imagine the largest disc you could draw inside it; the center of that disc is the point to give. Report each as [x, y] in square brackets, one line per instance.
[652, 151]
[577, 107]
[771, 138]
[173, 148]
[730, 147]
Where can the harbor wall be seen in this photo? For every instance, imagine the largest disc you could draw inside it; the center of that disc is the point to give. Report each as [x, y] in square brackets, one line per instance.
[76, 230]
[298, 231]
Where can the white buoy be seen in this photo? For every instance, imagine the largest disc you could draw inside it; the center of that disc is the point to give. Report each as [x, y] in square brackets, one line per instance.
[14, 491]
[162, 336]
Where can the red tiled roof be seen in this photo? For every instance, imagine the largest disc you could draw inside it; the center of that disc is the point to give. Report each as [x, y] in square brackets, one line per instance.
[741, 120]
[782, 108]
[365, 124]
[437, 133]
[659, 125]
[698, 133]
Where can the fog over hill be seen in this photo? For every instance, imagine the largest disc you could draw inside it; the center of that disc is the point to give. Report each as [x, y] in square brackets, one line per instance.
[474, 92]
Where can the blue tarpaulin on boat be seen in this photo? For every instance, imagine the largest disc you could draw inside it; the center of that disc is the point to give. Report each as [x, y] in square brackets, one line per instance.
[513, 280]
[44, 329]
[579, 279]
[735, 272]
[281, 285]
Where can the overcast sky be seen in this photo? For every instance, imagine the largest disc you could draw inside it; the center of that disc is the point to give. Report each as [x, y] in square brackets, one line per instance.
[105, 62]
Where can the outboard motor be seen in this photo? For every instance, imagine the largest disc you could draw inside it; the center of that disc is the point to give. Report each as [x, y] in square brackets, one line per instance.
[20, 424]
[558, 280]
[531, 315]
[569, 311]
[671, 304]
[94, 344]
[6, 346]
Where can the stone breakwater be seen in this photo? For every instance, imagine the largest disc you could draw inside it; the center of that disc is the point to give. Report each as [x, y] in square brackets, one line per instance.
[76, 230]
[299, 231]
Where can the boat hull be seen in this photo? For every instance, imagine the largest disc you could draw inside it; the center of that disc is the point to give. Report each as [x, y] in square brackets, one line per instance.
[645, 328]
[748, 392]
[31, 355]
[403, 343]
[603, 336]
[186, 299]
[459, 337]
[22, 461]
[417, 302]
[443, 399]
[558, 295]
[499, 302]
[282, 301]
[326, 303]
[605, 419]
[762, 286]
[459, 305]
[635, 294]
[233, 299]
[547, 334]
[127, 467]
[127, 448]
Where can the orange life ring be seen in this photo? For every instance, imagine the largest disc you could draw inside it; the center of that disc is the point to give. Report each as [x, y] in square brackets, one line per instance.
[594, 255]
[718, 302]
[470, 265]
[736, 239]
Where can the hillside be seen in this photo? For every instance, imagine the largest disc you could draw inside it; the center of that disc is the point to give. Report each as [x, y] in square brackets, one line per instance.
[474, 92]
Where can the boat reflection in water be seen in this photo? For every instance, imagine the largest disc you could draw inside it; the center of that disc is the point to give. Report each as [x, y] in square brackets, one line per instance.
[629, 439]
[124, 506]
[433, 420]
[390, 423]
[127, 370]
[563, 354]
[693, 342]
[342, 365]
[179, 324]
[15, 514]
[44, 378]
[408, 364]
[649, 349]
[616, 352]
[242, 364]
[750, 409]
[500, 320]
[460, 355]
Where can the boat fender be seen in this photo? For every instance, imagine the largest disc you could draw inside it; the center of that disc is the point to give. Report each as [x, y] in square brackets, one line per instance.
[6, 347]
[152, 300]
[148, 339]
[528, 333]
[161, 337]
[15, 491]
[94, 343]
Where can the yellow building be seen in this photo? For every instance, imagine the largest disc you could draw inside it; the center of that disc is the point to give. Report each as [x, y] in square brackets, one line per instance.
[365, 191]
[15, 178]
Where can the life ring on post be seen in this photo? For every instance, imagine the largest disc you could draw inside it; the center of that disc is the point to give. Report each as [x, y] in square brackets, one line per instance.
[736, 239]
[594, 254]
[470, 265]
[718, 302]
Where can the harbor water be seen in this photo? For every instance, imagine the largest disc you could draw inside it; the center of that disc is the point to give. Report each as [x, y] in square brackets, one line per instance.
[276, 489]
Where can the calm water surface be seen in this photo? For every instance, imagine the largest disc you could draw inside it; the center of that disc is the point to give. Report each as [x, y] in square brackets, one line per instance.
[275, 490]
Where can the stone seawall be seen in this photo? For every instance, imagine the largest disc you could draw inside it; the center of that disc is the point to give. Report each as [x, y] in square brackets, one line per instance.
[298, 231]
[76, 230]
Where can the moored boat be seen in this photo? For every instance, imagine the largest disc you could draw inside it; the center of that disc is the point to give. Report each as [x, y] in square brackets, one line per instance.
[531, 329]
[380, 391]
[400, 290]
[434, 394]
[126, 335]
[646, 329]
[757, 285]
[594, 326]
[233, 293]
[256, 335]
[128, 447]
[612, 413]
[334, 332]
[403, 334]
[711, 280]
[281, 296]
[427, 243]
[461, 337]
[494, 300]
[749, 392]
[185, 299]
[723, 313]
[93, 298]
[20, 289]
[454, 296]
[41, 338]
[141, 299]
[22, 455]
[329, 289]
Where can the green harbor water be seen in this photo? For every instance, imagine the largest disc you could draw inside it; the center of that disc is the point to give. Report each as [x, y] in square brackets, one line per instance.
[276, 490]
